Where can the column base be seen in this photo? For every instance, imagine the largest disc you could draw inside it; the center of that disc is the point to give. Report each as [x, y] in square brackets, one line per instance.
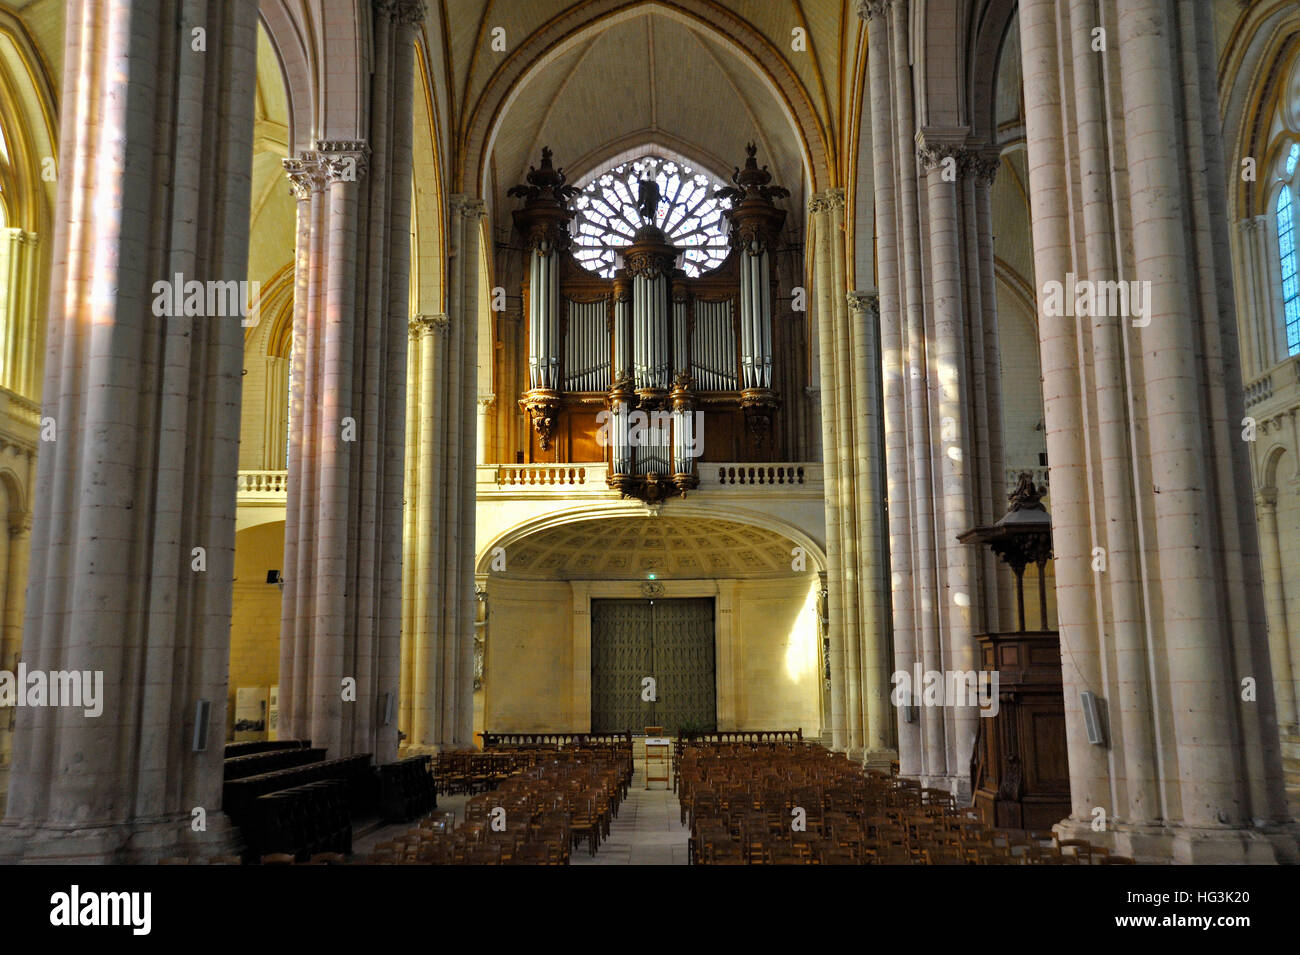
[959, 786]
[1271, 846]
[434, 749]
[881, 760]
[1188, 845]
[136, 843]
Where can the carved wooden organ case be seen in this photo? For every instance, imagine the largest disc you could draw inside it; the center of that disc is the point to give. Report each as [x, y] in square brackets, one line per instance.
[653, 370]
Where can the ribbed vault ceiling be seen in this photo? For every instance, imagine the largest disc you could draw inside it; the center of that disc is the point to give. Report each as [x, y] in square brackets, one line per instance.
[632, 548]
[644, 80]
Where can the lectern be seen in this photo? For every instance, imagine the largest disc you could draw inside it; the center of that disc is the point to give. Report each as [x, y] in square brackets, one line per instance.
[657, 750]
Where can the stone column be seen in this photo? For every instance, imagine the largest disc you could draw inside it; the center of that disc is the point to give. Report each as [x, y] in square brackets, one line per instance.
[1254, 276]
[467, 264]
[1072, 537]
[11, 638]
[893, 361]
[942, 158]
[1279, 635]
[819, 207]
[579, 703]
[438, 663]
[875, 658]
[424, 558]
[981, 171]
[485, 403]
[132, 547]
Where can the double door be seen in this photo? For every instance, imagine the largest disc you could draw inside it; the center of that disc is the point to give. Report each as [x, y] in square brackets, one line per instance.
[652, 664]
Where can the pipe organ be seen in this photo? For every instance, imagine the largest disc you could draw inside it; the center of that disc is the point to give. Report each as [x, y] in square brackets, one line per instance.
[648, 369]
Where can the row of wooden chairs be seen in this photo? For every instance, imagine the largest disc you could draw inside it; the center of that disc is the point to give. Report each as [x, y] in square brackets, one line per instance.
[803, 805]
[561, 799]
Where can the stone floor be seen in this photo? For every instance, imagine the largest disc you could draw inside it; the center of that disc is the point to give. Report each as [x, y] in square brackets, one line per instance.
[648, 830]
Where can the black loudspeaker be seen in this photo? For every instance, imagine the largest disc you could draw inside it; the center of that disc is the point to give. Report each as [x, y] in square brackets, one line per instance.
[1092, 718]
[201, 712]
[272, 576]
[390, 704]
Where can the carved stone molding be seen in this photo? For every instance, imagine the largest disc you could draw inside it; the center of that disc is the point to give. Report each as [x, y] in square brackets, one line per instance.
[343, 160]
[759, 406]
[21, 236]
[337, 146]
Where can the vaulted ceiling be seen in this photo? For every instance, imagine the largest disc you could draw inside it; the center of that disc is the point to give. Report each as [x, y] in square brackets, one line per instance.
[647, 80]
[630, 74]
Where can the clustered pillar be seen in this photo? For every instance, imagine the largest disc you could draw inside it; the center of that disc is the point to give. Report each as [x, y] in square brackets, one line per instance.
[1157, 566]
[341, 618]
[132, 544]
[857, 599]
[940, 391]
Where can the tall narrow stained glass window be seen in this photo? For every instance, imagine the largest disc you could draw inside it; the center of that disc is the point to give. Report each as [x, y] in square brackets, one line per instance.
[1290, 279]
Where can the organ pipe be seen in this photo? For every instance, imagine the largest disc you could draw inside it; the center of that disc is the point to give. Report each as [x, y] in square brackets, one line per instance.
[544, 220]
[656, 343]
[756, 222]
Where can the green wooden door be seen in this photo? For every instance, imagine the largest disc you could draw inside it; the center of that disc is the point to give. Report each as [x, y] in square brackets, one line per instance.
[671, 641]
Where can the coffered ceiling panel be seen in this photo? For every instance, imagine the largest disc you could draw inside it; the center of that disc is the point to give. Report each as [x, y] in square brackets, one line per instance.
[633, 548]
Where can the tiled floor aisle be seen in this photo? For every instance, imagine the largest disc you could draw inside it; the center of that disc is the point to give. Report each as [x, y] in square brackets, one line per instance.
[648, 830]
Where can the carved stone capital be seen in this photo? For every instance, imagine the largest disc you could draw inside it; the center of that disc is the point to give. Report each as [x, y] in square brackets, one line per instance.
[343, 160]
[872, 9]
[864, 302]
[422, 325]
[936, 145]
[472, 208]
[402, 12]
[984, 164]
[305, 176]
[487, 401]
[20, 524]
[829, 200]
[1266, 497]
[934, 155]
